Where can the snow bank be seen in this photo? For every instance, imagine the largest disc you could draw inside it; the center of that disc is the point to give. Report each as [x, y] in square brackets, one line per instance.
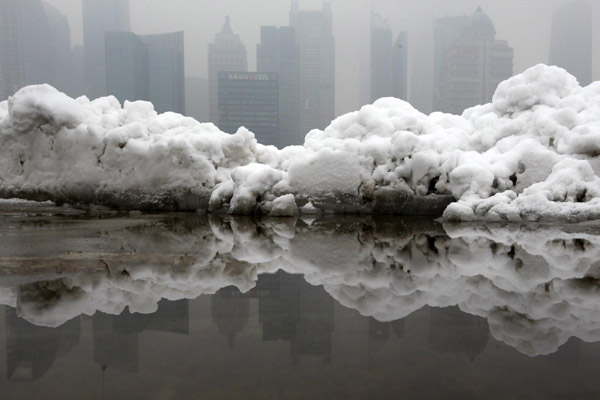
[536, 288]
[532, 153]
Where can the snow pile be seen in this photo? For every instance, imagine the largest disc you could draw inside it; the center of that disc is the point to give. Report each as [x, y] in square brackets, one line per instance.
[530, 154]
[536, 288]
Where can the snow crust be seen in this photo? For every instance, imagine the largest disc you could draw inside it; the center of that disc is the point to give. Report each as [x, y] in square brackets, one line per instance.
[536, 286]
[531, 154]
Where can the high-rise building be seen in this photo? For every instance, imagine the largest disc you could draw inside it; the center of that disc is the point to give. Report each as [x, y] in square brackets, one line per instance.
[60, 63]
[226, 53]
[400, 67]
[446, 31]
[474, 65]
[317, 65]
[147, 67]
[166, 71]
[571, 40]
[99, 17]
[381, 58]
[127, 74]
[27, 46]
[250, 99]
[278, 52]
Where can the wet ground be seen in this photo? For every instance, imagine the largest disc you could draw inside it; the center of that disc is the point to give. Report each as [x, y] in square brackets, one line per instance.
[98, 304]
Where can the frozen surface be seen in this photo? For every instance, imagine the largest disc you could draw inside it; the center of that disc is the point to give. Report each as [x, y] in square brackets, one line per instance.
[531, 154]
[536, 286]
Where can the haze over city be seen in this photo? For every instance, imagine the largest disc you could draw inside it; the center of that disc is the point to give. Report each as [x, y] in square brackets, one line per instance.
[525, 25]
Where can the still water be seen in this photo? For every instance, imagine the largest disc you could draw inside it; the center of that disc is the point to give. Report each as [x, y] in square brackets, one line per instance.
[97, 305]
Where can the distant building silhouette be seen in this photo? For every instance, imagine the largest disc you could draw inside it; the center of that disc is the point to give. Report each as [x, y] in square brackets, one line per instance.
[226, 53]
[381, 58]
[99, 17]
[388, 61]
[446, 31]
[279, 52]
[400, 67]
[571, 40]
[196, 98]
[34, 39]
[127, 72]
[474, 65]
[166, 71]
[147, 67]
[229, 311]
[31, 350]
[317, 65]
[250, 99]
[454, 331]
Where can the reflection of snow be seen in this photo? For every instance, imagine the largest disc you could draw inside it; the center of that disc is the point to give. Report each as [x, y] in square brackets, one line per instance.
[535, 287]
[530, 154]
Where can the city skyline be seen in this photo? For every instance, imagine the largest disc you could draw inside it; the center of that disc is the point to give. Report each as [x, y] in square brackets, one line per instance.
[352, 38]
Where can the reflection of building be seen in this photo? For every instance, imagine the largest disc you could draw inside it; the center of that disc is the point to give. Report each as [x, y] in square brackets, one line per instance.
[31, 350]
[99, 17]
[229, 310]
[571, 40]
[116, 337]
[278, 52]
[226, 53]
[454, 331]
[317, 65]
[474, 65]
[250, 99]
[146, 67]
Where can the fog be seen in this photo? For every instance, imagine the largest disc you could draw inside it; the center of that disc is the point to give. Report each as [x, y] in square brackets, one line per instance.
[525, 24]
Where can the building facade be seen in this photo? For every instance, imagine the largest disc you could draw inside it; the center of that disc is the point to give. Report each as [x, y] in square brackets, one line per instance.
[225, 53]
[147, 67]
[278, 52]
[99, 17]
[571, 40]
[446, 31]
[251, 100]
[317, 66]
[474, 65]
[166, 71]
[381, 58]
[400, 67]
[28, 46]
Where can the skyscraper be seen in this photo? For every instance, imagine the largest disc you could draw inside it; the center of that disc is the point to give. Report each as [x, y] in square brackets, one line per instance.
[166, 71]
[400, 67]
[147, 67]
[317, 65]
[99, 17]
[381, 58]
[127, 74]
[226, 53]
[474, 65]
[571, 40]
[250, 99]
[278, 52]
[27, 46]
[61, 49]
[445, 32]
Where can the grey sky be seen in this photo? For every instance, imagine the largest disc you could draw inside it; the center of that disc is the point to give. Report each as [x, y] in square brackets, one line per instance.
[524, 23]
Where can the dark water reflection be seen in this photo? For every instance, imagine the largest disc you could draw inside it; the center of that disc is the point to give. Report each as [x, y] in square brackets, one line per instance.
[187, 306]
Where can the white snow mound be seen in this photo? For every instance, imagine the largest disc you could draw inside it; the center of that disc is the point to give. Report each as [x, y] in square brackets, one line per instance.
[532, 153]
